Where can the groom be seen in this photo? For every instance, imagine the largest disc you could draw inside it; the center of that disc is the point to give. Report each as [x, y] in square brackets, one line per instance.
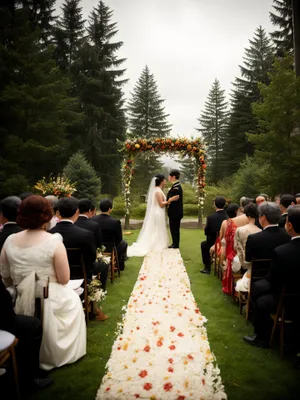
[175, 210]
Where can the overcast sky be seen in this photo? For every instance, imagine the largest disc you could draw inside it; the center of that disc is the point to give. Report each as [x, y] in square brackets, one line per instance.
[186, 44]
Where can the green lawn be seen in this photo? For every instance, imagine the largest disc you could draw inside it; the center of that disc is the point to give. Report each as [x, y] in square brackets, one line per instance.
[248, 373]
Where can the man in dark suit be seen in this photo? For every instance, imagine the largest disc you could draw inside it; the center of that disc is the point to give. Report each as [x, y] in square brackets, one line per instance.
[285, 272]
[175, 209]
[286, 200]
[111, 231]
[74, 236]
[8, 215]
[29, 332]
[212, 227]
[87, 210]
[261, 245]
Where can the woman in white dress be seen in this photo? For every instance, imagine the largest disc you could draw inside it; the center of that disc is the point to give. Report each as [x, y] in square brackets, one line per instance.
[154, 234]
[34, 254]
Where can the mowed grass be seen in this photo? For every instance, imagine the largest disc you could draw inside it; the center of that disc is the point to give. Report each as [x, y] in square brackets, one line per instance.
[248, 373]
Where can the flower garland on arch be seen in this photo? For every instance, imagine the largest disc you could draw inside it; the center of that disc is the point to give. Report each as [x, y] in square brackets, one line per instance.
[187, 147]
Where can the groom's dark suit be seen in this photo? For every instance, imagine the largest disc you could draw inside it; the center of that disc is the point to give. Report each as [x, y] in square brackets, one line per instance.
[175, 212]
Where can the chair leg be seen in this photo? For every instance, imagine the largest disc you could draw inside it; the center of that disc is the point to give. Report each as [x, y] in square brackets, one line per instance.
[248, 308]
[282, 322]
[15, 368]
[273, 330]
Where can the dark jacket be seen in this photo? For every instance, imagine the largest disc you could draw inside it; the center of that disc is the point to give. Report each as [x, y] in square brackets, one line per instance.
[285, 270]
[111, 230]
[8, 230]
[76, 237]
[262, 244]
[7, 313]
[92, 226]
[213, 225]
[175, 209]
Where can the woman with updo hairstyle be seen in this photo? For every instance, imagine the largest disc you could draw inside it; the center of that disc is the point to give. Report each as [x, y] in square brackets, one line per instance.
[30, 260]
[160, 180]
[240, 240]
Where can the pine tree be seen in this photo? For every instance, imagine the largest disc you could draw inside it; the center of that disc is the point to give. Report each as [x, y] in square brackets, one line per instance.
[279, 118]
[187, 170]
[147, 119]
[213, 127]
[258, 60]
[97, 82]
[69, 34]
[35, 108]
[40, 14]
[100, 33]
[79, 170]
[282, 17]
[146, 113]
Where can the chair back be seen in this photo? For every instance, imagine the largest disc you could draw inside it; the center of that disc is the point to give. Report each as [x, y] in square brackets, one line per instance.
[78, 271]
[108, 237]
[260, 268]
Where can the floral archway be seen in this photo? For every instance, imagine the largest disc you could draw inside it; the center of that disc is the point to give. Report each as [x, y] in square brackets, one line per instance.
[186, 147]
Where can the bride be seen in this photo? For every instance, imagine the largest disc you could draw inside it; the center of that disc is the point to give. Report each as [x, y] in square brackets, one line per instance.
[154, 233]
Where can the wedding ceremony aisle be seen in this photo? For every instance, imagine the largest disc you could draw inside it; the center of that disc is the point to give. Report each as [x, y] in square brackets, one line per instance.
[247, 373]
[163, 351]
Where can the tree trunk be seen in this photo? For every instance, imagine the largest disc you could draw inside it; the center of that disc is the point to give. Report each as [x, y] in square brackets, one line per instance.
[127, 221]
[296, 28]
[200, 220]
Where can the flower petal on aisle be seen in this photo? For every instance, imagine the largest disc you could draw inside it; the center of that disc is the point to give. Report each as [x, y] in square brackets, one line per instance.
[163, 351]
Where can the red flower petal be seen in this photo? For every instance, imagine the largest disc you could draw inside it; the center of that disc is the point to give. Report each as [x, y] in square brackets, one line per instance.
[137, 395]
[172, 328]
[171, 360]
[159, 343]
[180, 334]
[148, 386]
[170, 369]
[107, 389]
[190, 357]
[180, 397]
[143, 373]
[203, 381]
[147, 349]
[172, 347]
[168, 387]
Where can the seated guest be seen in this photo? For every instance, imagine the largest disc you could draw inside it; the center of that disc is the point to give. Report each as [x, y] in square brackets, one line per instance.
[79, 238]
[87, 210]
[284, 272]
[212, 228]
[8, 214]
[74, 236]
[286, 200]
[261, 198]
[297, 198]
[111, 231]
[262, 244]
[35, 253]
[29, 331]
[24, 195]
[54, 203]
[240, 240]
[230, 253]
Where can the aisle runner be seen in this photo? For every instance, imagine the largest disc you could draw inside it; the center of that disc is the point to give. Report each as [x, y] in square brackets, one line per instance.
[163, 352]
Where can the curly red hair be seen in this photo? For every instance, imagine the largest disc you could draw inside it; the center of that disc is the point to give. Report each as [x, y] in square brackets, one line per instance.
[34, 212]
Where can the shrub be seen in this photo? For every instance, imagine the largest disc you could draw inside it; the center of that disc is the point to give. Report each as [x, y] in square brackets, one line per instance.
[80, 171]
[190, 210]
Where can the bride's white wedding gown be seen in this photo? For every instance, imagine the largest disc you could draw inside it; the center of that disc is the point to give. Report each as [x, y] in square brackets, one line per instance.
[154, 233]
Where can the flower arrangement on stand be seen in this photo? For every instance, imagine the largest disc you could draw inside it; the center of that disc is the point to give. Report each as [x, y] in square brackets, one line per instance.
[187, 147]
[59, 186]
